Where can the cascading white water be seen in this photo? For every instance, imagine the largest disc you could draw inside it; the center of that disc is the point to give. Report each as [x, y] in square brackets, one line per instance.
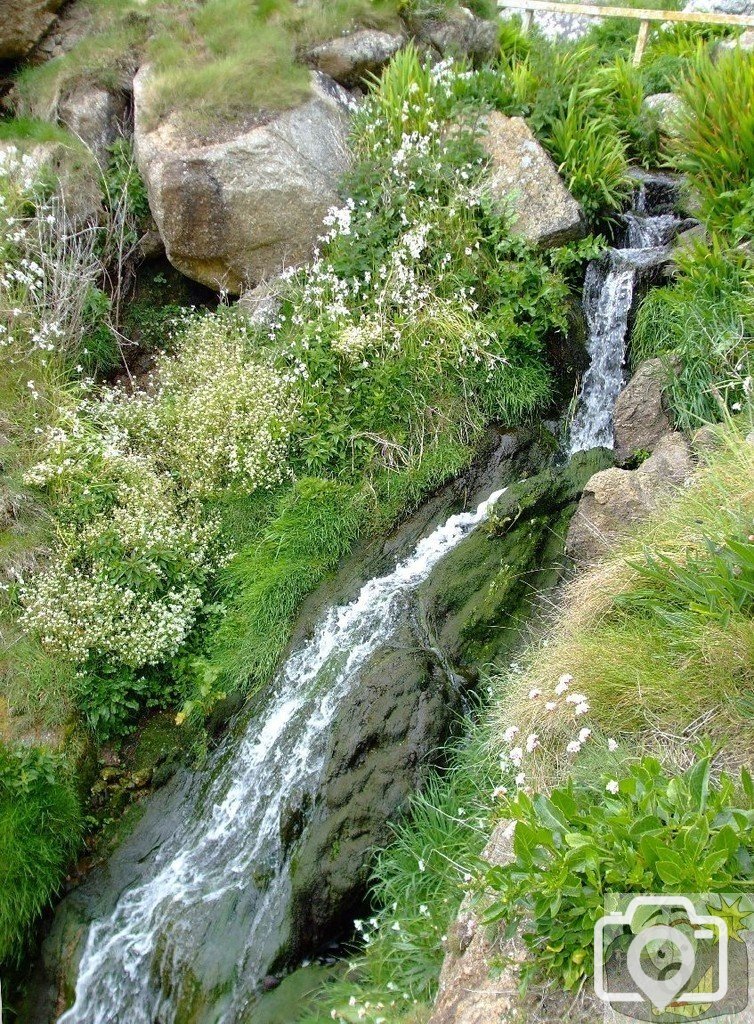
[228, 863]
[608, 296]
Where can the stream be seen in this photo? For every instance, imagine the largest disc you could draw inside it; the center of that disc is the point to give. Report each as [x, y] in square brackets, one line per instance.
[608, 298]
[193, 933]
[227, 864]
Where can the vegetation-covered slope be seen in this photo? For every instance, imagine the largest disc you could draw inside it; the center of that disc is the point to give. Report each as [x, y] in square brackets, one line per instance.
[161, 532]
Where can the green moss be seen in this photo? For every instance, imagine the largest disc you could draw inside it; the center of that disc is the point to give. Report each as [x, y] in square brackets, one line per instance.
[483, 591]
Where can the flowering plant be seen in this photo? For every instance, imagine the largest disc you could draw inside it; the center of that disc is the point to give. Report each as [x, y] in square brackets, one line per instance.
[648, 831]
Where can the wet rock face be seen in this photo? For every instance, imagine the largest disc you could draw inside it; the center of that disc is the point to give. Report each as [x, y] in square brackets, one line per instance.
[387, 731]
[349, 59]
[23, 23]
[393, 723]
[524, 180]
[239, 207]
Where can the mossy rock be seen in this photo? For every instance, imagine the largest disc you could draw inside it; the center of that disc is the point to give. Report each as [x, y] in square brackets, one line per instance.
[479, 596]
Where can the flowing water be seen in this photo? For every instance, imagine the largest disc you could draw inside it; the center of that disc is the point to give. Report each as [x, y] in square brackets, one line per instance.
[608, 297]
[226, 867]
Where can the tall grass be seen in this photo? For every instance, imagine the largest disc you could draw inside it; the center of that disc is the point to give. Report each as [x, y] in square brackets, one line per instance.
[646, 674]
[715, 141]
[40, 828]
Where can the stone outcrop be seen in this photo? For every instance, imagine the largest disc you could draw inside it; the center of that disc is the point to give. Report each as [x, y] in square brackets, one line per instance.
[350, 59]
[524, 181]
[23, 23]
[459, 33]
[94, 115]
[238, 207]
[641, 420]
[617, 499]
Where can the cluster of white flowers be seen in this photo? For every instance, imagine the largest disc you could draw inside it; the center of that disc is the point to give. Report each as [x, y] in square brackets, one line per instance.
[126, 586]
[367, 315]
[566, 705]
[216, 415]
[82, 614]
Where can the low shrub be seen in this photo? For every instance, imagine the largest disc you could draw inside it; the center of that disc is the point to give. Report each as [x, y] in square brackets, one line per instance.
[40, 829]
[648, 831]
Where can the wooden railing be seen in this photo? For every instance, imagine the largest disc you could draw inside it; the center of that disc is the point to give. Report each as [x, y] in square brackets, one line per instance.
[643, 15]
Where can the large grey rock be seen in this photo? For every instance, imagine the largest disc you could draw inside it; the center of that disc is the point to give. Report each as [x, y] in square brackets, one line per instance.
[615, 500]
[666, 108]
[23, 23]
[243, 204]
[95, 116]
[262, 304]
[743, 42]
[721, 6]
[524, 180]
[640, 420]
[459, 33]
[349, 59]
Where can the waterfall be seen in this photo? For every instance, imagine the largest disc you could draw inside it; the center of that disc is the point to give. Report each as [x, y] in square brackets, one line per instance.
[608, 297]
[226, 865]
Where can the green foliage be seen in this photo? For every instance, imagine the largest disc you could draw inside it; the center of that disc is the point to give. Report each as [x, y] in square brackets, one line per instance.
[98, 350]
[715, 143]
[592, 157]
[315, 524]
[659, 832]
[29, 129]
[703, 325]
[40, 829]
[121, 181]
[715, 583]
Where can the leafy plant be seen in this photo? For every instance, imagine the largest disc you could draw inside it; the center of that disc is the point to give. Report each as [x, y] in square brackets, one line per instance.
[592, 158]
[717, 583]
[40, 829]
[648, 832]
[715, 140]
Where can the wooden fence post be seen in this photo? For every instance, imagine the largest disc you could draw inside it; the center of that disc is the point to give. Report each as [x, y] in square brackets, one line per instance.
[526, 21]
[641, 42]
